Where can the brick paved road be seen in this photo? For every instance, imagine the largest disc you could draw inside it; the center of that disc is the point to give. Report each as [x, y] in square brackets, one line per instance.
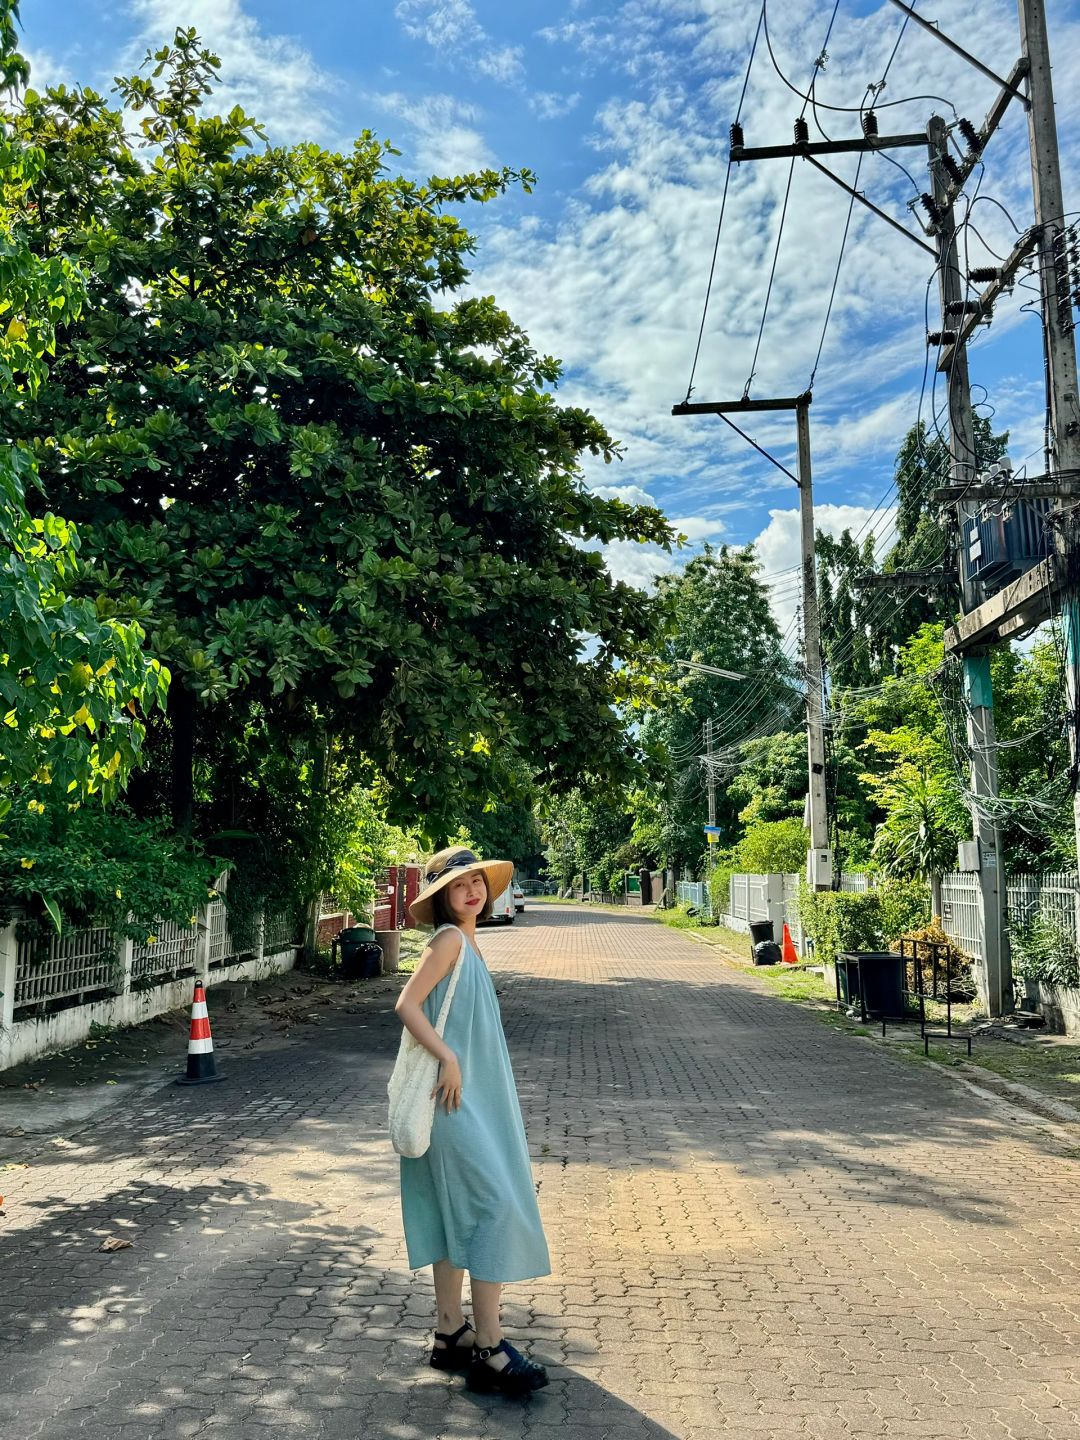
[760, 1228]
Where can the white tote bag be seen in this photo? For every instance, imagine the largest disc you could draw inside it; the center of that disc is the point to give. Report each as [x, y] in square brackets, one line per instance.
[416, 1072]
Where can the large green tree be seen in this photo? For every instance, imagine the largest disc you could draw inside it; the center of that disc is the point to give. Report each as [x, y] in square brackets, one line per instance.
[341, 489]
[718, 614]
[73, 684]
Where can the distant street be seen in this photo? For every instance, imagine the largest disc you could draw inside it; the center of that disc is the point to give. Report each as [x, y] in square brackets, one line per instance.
[759, 1227]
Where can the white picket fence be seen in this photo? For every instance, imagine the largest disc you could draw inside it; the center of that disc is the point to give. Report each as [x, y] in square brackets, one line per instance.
[696, 894]
[1053, 894]
[776, 897]
[55, 988]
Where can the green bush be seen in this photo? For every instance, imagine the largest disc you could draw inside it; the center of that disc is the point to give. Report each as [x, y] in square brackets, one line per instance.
[905, 907]
[725, 864]
[839, 921]
[774, 847]
[1044, 950]
[103, 867]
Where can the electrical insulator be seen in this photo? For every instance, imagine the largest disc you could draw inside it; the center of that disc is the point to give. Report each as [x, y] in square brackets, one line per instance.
[941, 337]
[952, 169]
[970, 134]
[963, 307]
[738, 139]
[984, 275]
[802, 131]
[930, 206]
[870, 125]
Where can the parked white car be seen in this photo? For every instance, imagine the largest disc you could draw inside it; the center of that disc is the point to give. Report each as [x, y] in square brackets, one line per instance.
[519, 899]
[503, 911]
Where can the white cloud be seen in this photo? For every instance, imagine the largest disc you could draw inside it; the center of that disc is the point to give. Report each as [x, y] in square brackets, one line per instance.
[615, 284]
[451, 28]
[273, 77]
[635, 564]
[444, 138]
[699, 527]
[45, 69]
[777, 547]
[628, 494]
[551, 105]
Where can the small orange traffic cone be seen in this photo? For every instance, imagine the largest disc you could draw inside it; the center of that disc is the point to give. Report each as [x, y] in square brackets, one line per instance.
[790, 954]
[200, 1054]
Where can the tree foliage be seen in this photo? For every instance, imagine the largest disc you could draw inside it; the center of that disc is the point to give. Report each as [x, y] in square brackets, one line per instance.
[340, 488]
[73, 683]
[718, 614]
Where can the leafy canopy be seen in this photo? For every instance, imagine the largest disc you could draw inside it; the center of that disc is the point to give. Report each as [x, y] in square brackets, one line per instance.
[333, 482]
[72, 682]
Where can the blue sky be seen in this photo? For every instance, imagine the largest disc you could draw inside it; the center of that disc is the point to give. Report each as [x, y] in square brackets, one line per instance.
[623, 109]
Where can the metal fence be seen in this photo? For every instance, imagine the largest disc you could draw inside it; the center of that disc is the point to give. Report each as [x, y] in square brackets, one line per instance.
[960, 918]
[170, 950]
[57, 967]
[47, 970]
[695, 893]
[1052, 895]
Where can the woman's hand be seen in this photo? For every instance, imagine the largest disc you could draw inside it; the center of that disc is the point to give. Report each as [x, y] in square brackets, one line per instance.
[448, 1090]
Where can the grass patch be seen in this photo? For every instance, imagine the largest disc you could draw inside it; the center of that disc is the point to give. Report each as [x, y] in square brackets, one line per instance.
[679, 917]
[412, 947]
[1046, 1065]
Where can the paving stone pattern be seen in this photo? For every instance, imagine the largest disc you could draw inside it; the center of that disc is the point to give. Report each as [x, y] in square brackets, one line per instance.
[759, 1228]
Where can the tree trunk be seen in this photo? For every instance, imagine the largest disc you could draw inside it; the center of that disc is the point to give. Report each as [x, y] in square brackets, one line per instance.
[182, 718]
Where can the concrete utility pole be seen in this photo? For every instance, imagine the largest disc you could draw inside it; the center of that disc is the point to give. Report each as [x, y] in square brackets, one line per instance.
[978, 693]
[1057, 315]
[819, 860]
[710, 777]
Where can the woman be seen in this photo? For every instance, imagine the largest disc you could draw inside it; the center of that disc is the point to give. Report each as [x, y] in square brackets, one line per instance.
[469, 1203]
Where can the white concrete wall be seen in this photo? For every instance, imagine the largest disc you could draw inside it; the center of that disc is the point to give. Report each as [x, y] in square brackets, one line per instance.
[1060, 1005]
[28, 1039]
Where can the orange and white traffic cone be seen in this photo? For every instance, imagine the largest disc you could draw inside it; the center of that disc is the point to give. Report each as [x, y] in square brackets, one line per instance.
[200, 1053]
[789, 954]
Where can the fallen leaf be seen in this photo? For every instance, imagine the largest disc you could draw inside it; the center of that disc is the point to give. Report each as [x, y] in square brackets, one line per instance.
[113, 1242]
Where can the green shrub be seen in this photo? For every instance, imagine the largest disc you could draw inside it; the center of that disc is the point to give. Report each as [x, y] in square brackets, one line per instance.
[774, 847]
[725, 866]
[905, 907]
[1043, 949]
[837, 921]
[103, 867]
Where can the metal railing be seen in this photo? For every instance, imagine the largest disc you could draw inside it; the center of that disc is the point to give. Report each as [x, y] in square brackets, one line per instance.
[56, 967]
[696, 894]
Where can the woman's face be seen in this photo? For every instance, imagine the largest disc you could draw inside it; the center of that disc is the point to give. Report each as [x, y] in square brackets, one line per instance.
[467, 896]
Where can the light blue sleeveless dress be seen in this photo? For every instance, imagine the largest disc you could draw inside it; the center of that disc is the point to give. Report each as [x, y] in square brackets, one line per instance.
[471, 1199]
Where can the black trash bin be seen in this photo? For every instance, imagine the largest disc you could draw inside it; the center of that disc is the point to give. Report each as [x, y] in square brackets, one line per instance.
[763, 944]
[361, 955]
[882, 975]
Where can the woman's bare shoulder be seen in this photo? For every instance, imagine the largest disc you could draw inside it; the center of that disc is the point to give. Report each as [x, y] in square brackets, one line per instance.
[443, 947]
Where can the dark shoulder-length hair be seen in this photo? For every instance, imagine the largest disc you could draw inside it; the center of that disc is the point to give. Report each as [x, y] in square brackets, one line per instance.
[443, 915]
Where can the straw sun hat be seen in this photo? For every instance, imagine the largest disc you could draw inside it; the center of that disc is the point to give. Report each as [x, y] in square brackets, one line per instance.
[454, 864]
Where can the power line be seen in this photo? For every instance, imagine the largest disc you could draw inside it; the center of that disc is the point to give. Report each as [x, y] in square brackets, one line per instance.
[723, 206]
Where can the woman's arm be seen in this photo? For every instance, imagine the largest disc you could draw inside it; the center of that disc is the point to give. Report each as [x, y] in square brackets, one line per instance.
[435, 964]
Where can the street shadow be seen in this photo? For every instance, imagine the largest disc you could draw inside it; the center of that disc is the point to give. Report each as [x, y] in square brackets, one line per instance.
[234, 1310]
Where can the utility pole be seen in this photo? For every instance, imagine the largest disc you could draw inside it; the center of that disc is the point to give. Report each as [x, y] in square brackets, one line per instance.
[819, 869]
[978, 691]
[711, 778]
[1054, 273]
[819, 859]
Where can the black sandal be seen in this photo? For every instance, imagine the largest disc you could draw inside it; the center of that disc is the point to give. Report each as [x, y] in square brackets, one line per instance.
[518, 1377]
[455, 1356]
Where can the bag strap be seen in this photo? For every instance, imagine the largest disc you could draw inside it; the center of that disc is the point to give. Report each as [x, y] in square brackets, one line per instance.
[444, 1009]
